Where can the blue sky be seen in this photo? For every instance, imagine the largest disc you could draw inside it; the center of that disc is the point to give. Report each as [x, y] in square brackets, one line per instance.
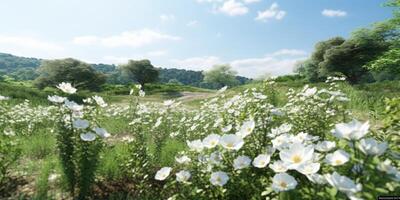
[255, 37]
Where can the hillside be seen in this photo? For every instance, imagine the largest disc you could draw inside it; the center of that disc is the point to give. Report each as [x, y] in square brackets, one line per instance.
[24, 68]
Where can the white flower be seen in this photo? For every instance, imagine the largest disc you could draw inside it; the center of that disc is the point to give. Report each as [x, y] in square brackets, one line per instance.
[102, 132]
[168, 103]
[183, 176]
[223, 89]
[56, 99]
[195, 145]
[80, 124]
[316, 178]
[100, 101]
[278, 166]
[183, 159]
[339, 157]
[163, 173]
[386, 166]
[231, 142]
[325, 146]
[310, 92]
[66, 88]
[283, 182]
[211, 141]
[296, 155]
[342, 183]
[142, 93]
[73, 106]
[246, 128]
[219, 178]
[2, 98]
[353, 130]
[261, 160]
[241, 162]
[370, 146]
[227, 128]
[88, 137]
[308, 168]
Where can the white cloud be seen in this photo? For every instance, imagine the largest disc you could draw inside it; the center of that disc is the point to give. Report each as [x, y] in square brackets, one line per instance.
[251, 1]
[273, 12]
[135, 38]
[30, 46]
[233, 8]
[196, 63]
[277, 63]
[289, 52]
[334, 13]
[28, 43]
[166, 18]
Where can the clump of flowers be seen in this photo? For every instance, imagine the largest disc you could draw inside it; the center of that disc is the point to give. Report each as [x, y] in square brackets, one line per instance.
[248, 146]
[79, 139]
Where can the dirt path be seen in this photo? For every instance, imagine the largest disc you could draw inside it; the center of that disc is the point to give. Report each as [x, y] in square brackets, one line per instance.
[190, 96]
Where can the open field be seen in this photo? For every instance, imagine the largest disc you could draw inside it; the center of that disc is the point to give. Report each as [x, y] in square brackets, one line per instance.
[173, 125]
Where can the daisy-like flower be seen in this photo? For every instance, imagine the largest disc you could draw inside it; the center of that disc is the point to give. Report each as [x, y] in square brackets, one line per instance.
[66, 88]
[283, 182]
[102, 132]
[316, 178]
[296, 155]
[227, 128]
[183, 159]
[183, 176]
[278, 166]
[370, 146]
[56, 99]
[100, 101]
[211, 141]
[231, 142]
[219, 178]
[2, 98]
[163, 173]
[386, 166]
[325, 146]
[73, 106]
[80, 124]
[195, 145]
[353, 130]
[339, 157]
[246, 128]
[241, 162]
[261, 160]
[308, 168]
[343, 183]
[88, 137]
[168, 103]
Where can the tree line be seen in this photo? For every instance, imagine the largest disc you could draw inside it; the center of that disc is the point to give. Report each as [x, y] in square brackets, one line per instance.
[368, 55]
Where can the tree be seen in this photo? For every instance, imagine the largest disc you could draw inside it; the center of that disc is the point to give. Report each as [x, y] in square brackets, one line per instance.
[221, 75]
[78, 73]
[141, 71]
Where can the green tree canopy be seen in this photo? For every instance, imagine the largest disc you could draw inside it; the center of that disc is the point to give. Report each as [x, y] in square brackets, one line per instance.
[221, 75]
[141, 71]
[78, 73]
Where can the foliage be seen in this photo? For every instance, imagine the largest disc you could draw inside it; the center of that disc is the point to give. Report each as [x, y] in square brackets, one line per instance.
[80, 74]
[221, 75]
[77, 130]
[389, 63]
[141, 71]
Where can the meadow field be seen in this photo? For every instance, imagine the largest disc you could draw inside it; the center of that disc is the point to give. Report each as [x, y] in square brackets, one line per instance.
[266, 140]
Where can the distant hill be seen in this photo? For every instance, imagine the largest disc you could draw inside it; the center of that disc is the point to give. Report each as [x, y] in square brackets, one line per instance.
[23, 68]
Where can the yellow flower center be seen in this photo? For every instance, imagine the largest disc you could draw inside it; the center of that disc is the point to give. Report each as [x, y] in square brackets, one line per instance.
[213, 143]
[283, 184]
[296, 159]
[229, 145]
[338, 162]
